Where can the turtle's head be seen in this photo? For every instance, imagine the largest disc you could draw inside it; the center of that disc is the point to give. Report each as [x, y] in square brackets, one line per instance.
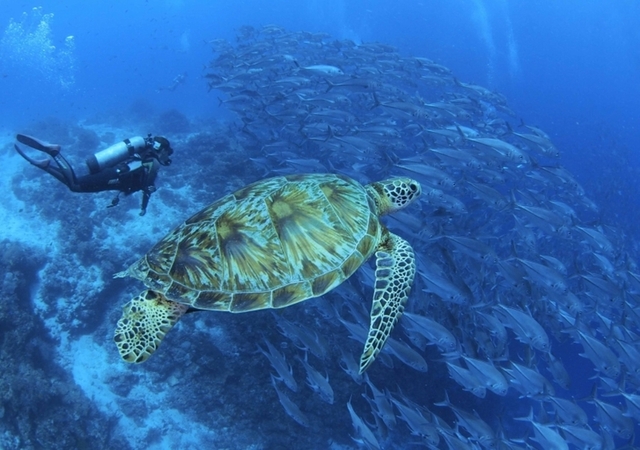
[393, 194]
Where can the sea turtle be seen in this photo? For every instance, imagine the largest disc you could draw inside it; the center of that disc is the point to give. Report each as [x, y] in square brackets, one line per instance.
[271, 244]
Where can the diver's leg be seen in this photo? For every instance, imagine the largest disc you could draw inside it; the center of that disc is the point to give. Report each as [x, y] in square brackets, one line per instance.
[60, 175]
[105, 180]
[64, 172]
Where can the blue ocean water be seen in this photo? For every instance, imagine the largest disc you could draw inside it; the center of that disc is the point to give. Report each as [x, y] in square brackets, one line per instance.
[569, 68]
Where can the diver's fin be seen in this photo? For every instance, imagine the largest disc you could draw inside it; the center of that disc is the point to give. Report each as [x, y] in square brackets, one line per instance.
[144, 322]
[43, 163]
[51, 149]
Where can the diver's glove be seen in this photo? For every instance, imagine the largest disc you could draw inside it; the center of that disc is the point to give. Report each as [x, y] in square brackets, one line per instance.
[115, 201]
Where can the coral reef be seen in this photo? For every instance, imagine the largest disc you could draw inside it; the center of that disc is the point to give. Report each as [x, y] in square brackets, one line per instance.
[86, 140]
[41, 404]
[172, 121]
[141, 110]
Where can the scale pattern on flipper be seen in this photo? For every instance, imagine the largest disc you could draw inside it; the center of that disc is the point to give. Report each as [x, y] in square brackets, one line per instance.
[395, 270]
[144, 322]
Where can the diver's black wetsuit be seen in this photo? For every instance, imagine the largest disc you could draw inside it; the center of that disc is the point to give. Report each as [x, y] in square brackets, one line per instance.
[127, 178]
[137, 173]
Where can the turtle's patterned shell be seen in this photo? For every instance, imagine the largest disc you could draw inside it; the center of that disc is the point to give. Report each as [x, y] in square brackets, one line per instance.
[271, 244]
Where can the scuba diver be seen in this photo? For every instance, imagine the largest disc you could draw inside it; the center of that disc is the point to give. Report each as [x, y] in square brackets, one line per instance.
[127, 167]
[177, 81]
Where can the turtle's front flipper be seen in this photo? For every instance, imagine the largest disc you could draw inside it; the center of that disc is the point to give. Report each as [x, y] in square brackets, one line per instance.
[395, 269]
[144, 322]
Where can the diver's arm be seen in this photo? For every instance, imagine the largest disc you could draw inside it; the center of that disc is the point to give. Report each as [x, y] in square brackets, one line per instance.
[146, 195]
[151, 173]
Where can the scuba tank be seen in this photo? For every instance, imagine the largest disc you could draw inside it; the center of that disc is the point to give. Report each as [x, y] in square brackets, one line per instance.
[115, 154]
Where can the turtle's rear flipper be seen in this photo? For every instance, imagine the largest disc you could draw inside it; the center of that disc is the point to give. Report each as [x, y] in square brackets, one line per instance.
[144, 322]
[395, 269]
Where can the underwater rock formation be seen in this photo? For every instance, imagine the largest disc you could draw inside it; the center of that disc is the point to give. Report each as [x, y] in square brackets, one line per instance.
[40, 404]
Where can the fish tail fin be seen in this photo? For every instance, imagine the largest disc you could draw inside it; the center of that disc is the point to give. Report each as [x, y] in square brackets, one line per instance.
[376, 102]
[592, 397]
[514, 250]
[513, 203]
[330, 85]
[509, 129]
[528, 418]
[446, 402]
[330, 133]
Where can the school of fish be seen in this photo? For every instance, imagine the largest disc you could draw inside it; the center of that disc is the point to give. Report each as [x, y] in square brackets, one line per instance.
[521, 293]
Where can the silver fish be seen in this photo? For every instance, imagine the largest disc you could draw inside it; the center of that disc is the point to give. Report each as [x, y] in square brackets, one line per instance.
[350, 366]
[524, 326]
[416, 422]
[432, 330]
[290, 408]
[543, 144]
[443, 288]
[279, 363]
[479, 430]
[429, 175]
[364, 435]
[597, 240]
[382, 404]
[544, 276]
[467, 380]
[488, 374]
[545, 435]
[407, 355]
[560, 374]
[504, 149]
[317, 382]
[529, 382]
[612, 418]
[544, 218]
[308, 339]
[474, 248]
[488, 194]
[568, 411]
[600, 355]
[324, 69]
[582, 437]
[494, 326]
